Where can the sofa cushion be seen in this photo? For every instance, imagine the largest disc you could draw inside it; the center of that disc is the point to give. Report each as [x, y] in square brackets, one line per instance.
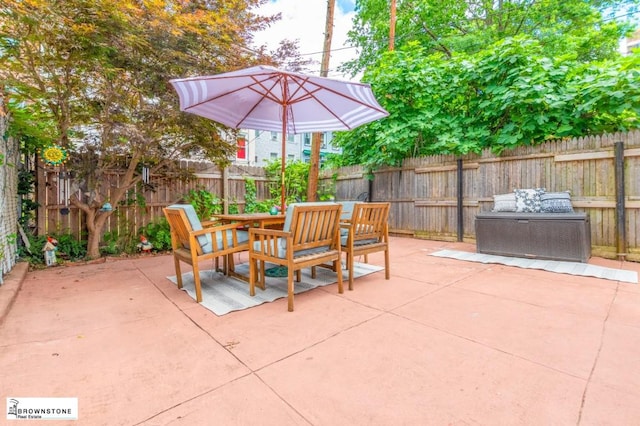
[529, 200]
[556, 202]
[504, 202]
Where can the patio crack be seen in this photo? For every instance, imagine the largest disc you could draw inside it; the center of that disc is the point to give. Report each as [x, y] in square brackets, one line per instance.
[597, 357]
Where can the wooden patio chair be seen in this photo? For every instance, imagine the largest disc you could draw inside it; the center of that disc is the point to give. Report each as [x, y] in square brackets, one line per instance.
[309, 238]
[367, 232]
[193, 244]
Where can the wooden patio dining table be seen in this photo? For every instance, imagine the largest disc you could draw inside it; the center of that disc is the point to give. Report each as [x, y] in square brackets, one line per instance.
[253, 220]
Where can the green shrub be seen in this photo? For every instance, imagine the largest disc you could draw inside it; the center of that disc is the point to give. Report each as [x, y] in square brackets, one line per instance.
[158, 233]
[68, 248]
[111, 246]
[205, 203]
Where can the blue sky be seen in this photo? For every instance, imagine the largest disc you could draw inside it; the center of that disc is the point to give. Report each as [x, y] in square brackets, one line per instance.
[304, 20]
[346, 5]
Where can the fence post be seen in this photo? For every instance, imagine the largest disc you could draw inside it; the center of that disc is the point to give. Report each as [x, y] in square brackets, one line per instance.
[225, 190]
[460, 203]
[621, 231]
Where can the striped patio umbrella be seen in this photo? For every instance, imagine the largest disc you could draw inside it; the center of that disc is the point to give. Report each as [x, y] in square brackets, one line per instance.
[266, 98]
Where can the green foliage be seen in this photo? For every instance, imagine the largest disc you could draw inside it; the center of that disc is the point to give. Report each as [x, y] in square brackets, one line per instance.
[589, 29]
[250, 195]
[233, 207]
[68, 248]
[507, 95]
[205, 203]
[34, 254]
[26, 184]
[158, 233]
[31, 125]
[95, 77]
[252, 205]
[111, 246]
[134, 196]
[296, 177]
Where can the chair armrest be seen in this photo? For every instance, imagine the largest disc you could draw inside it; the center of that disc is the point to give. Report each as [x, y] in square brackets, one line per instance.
[213, 229]
[218, 238]
[209, 223]
[265, 241]
[269, 232]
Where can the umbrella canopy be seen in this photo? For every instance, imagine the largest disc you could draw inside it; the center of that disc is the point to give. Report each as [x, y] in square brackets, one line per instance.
[266, 98]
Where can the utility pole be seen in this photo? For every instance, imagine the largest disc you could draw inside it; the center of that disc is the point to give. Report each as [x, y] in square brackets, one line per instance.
[314, 170]
[392, 25]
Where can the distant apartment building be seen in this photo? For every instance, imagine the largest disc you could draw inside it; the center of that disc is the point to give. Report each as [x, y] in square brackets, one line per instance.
[630, 43]
[257, 147]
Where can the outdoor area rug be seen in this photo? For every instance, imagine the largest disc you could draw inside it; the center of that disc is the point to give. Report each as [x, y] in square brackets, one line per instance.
[222, 294]
[572, 268]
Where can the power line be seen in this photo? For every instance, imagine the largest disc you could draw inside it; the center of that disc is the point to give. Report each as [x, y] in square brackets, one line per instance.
[412, 34]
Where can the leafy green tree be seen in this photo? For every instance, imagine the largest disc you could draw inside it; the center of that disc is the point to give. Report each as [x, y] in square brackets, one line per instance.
[507, 95]
[469, 75]
[590, 29]
[98, 71]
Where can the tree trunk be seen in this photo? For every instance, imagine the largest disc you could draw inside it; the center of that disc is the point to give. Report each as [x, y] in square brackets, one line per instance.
[95, 234]
[312, 185]
[314, 168]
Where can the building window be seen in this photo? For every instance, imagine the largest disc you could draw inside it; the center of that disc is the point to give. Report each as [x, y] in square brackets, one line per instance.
[241, 145]
[274, 136]
[273, 155]
[291, 157]
[291, 138]
[307, 139]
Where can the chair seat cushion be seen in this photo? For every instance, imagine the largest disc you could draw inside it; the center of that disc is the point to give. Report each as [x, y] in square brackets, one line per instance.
[347, 209]
[343, 241]
[194, 221]
[282, 249]
[205, 241]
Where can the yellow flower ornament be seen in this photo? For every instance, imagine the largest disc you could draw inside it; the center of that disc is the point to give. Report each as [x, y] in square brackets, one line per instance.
[54, 155]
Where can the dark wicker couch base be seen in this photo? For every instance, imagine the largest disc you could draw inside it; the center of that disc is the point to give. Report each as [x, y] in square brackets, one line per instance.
[556, 236]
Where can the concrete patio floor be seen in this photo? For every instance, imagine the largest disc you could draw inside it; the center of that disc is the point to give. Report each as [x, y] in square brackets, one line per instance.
[444, 342]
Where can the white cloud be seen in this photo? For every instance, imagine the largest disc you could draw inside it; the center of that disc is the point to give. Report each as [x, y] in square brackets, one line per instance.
[305, 21]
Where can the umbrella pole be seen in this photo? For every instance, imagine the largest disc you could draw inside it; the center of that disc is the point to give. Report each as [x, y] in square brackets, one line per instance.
[283, 162]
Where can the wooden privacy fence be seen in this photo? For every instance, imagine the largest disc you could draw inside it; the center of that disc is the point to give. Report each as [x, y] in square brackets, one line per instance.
[424, 191]
[57, 216]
